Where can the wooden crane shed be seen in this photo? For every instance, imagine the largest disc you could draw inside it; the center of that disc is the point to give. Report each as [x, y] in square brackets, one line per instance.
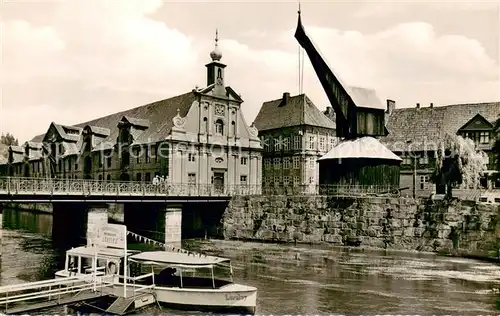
[361, 162]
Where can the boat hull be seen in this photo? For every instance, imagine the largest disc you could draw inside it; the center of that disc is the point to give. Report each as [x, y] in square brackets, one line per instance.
[230, 298]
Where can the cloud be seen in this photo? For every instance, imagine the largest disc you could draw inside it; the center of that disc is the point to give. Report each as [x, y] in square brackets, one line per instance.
[99, 57]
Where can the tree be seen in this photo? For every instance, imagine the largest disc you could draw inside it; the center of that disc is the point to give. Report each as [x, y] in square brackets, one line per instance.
[458, 162]
[9, 139]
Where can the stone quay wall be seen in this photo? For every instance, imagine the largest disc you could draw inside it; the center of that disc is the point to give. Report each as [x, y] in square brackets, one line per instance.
[457, 227]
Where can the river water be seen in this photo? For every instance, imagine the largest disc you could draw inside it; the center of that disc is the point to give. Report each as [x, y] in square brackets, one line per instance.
[293, 279]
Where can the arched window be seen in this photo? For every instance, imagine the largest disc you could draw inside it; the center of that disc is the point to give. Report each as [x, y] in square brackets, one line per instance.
[108, 177]
[204, 125]
[219, 73]
[219, 127]
[233, 128]
[100, 177]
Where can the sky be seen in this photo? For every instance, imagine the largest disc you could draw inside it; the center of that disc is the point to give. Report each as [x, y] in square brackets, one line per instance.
[71, 61]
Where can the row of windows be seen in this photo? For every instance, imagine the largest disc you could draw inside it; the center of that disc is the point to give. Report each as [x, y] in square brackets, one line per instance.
[285, 143]
[192, 158]
[289, 163]
[424, 160]
[219, 127]
[478, 137]
[284, 181]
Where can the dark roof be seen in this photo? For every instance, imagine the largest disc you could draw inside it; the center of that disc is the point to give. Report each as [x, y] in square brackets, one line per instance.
[157, 115]
[427, 125]
[99, 131]
[297, 110]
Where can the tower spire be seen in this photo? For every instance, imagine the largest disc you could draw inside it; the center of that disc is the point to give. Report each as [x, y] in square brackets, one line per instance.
[216, 55]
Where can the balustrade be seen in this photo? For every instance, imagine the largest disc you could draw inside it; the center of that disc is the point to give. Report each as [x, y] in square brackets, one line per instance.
[81, 187]
[43, 186]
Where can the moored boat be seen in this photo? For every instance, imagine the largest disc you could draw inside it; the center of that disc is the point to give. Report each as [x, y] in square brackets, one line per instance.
[189, 281]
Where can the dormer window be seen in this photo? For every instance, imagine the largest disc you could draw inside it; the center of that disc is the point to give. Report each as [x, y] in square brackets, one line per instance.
[124, 134]
[219, 127]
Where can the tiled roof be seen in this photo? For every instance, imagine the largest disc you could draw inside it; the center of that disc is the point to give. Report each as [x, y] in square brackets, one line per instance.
[297, 110]
[157, 115]
[425, 127]
[100, 131]
[137, 121]
[365, 147]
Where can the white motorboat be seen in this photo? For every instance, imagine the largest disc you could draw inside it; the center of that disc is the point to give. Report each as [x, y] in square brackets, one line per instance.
[189, 281]
[178, 280]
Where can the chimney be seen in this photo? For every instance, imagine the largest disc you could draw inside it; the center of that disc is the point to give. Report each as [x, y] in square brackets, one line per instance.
[285, 98]
[418, 105]
[432, 105]
[391, 105]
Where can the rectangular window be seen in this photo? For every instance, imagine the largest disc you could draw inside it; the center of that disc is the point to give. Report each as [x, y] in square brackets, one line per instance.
[286, 143]
[147, 177]
[311, 180]
[286, 163]
[424, 160]
[244, 160]
[312, 163]
[484, 137]
[276, 180]
[296, 142]
[296, 162]
[191, 157]
[277, 144]
[268, 163]
[286, 181]
[148, 157]
[270, 142]
[312, 142]
[138, 155]
[322, 143]
[154, 153]
[277, 163]
[296, 180]
[424, 182]
[139, 176]
[100, 159]
[243, 180]
[191, 178]
[108, 162]
[406, 160]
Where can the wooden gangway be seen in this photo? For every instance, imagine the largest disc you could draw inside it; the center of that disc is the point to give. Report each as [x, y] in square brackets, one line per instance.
[26, 297]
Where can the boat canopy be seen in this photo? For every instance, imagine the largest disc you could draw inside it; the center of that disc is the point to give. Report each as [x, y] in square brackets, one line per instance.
[179, 259]
[85, 251]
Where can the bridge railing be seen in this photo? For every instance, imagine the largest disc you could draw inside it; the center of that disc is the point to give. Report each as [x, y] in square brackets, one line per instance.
[43, 186]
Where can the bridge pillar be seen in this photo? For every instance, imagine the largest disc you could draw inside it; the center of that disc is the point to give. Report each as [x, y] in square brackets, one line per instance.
[97, 217]
[173, 225]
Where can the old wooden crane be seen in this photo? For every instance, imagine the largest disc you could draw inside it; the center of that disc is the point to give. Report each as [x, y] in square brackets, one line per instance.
[352, 120]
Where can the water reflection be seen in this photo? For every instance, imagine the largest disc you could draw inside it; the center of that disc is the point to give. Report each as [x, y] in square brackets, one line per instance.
[293, 279]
